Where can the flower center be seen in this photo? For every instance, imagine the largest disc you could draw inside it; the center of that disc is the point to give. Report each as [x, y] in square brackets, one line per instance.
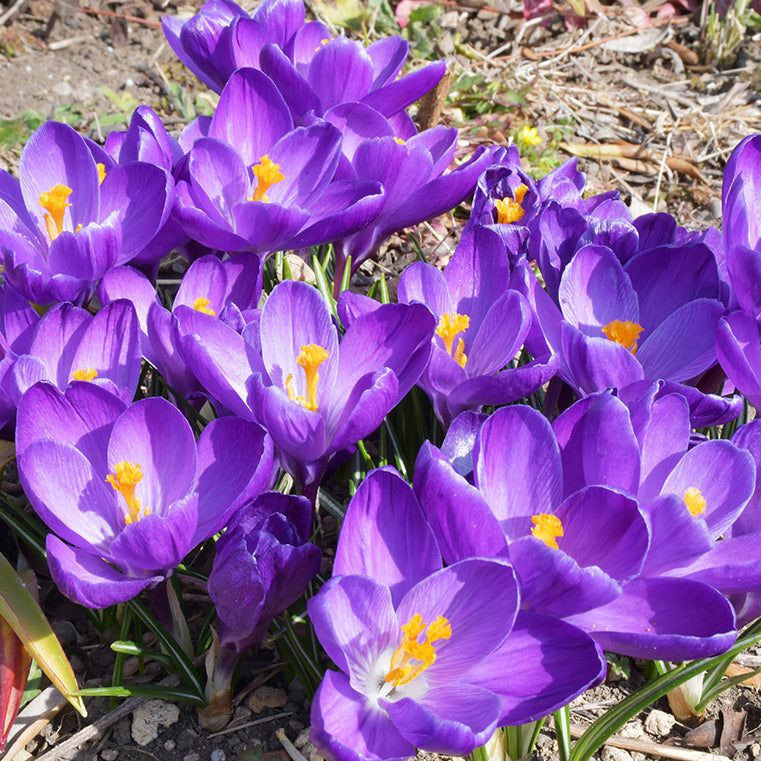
[54, 202]
[509, 210]
[695, 501]
[548, 528]
[85, 374]
[125, 477]
[450, 326]
[267, 172]
[625, 333]
[310, 358]
[201, 304]
[413, 657]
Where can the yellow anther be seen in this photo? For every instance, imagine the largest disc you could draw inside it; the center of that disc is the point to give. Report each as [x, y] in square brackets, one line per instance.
[85, 374]
[125, 477]
[625, 333]
[403, 670]
[529, 135]
[267, 172]
[54, 202]
[322, 44]
[400, 141]
[450, 326]
[695, 501]
[310, 358]
[201, 304]
[101, 173]
[548, 528]
[510, 210]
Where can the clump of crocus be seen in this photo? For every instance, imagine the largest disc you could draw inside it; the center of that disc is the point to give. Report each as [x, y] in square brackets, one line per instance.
[579, 557]
[68, 223]
[229, 290]
[426, 654]
[253, 182]
[263, 564]
[126, 490]
[315, 392]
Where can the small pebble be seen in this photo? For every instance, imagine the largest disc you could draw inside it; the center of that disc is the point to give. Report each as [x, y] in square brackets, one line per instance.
[659, 723]
[192, 757]
[218, 755]
[109, 754]
[129, 82]
[266, 697]
[149, 717]
[755, 750]
[633, 729]
[170, 745]
[614, 754]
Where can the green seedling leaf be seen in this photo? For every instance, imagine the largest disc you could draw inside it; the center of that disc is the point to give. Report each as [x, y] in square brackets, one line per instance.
[22, 613]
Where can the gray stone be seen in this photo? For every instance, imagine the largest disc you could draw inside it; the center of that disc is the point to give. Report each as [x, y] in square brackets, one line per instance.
[659, 723]
[62, 90]
[149, 717]
[218, 755]
[614, 754]
[109, 754]
[192, 757]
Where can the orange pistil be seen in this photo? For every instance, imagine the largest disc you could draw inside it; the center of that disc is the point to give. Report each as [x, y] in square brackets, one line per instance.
[450, 326]
[267, 172]
[622, 332]
[125, 477]
[85, 374]
[201, 304]
[310, 358]
[695, 501]
[548, 528]
[510, 210]
[402, 671]
[54, 202]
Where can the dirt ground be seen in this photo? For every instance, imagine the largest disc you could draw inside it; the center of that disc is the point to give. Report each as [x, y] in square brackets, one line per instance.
[623, 82]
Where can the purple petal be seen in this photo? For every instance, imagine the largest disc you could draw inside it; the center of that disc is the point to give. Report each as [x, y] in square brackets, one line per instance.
[513, 491]
[385, 535]
[89, 580]
[350, 728]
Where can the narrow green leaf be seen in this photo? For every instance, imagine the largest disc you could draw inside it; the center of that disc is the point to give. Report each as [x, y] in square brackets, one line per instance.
[22, 613]
[147, 691]
[616, 717]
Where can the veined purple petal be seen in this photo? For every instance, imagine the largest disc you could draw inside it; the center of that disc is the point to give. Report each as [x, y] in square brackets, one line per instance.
[89, 580]
[738, 349]
[385, 535]
[454, 719]
[669, 619]
[509, 439]
[461, 519]
[424, 283]
[355, 622]
[251, 116]
[604, 528]
[155, 435]
[396, 96]
[341, 71]
[542, 665]
[69, 497]
[350, 728]
[597, 445]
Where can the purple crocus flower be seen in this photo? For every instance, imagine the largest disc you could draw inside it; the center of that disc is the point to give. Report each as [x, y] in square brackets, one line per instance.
[316, 394]
[429, 657]
[251, 182]
[64, 225]
[147, 140]
[126, 490]
[482, 324]
[652, 318]
[69, 344]
[263, 564]
[415, 186]
[695, 495]
[578, 557]
[229, 290]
